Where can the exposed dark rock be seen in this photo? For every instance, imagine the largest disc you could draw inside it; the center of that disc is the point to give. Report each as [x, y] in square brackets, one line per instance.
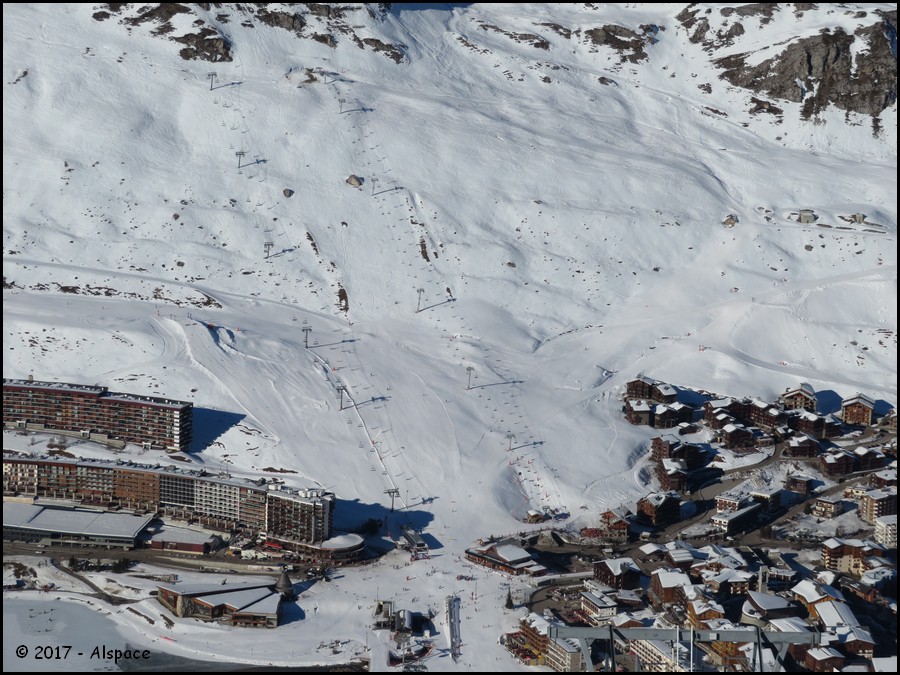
[287, 192]
[325, 39]
[292, 22]
[389, 50]
[100, 16]
[823, 67]
[207, 45]
[159, 14]
[526, 38]
[628, 43]
[556, 28]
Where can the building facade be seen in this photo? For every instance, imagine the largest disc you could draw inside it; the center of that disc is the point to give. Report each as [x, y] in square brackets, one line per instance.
[90, 410]
[295, 519]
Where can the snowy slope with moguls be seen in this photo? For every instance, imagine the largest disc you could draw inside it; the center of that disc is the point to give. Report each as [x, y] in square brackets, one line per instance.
[543, 197]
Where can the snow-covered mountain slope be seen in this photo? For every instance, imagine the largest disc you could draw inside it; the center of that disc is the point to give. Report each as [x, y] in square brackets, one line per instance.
[548, 184]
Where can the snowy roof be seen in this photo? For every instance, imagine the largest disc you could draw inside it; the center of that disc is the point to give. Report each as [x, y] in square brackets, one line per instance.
[790, 624]
[822, 653]
[680, 556]
[210, 589]
[650, 549]
[859, 398]
[239, 598]
[539, 623]
[620, 565]
[768, 602]
[598, 600]
[810, 591]
[512, 553]
[886, 521]
[95, 390]
[266, 605]
[833, 614]
[705, 605]
[805, 389]
[74, 521]
[727, 516]
[672, 465]
[666, 389]
[657, 498]
[182, 535]
[671, 579]
[567, 645]
[851, 633]
[342, 541]
[719, 403]
[639, 406]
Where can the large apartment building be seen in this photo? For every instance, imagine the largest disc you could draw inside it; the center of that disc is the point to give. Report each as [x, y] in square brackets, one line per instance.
[90, 410]
[293, 518]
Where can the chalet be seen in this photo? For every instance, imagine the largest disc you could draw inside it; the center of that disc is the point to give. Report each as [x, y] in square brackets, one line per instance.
[823, 660]
[672, 475]
[828, 507]
[802, 397]
[666, 586]
[640, 387]
[668, 446]
[808, 423]
[798, 482]
[857, 410]
[728, 583]
[659, 508]
[836, 463]
[702, 610]
[647, 388]
[665, 417]
[614, 528]
[619, 573]
[686, 428]
[807, 217]
[764, 414]
[733, 436]
[810, 594]
[854, 641]
[638, 411]
[505, 557]
[801, 446]
[868, 459]
[883, 478]
[664, 393]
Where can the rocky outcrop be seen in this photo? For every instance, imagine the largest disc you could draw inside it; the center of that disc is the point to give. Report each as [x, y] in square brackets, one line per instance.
[820, 70]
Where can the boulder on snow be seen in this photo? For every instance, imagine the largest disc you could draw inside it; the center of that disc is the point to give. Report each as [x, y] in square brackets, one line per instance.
[354, 180]
[287, 192]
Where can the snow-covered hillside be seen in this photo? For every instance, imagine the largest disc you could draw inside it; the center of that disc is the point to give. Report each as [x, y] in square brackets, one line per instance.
[550, 192]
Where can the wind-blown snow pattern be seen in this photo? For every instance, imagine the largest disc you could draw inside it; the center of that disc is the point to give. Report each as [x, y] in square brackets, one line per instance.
[552, 218]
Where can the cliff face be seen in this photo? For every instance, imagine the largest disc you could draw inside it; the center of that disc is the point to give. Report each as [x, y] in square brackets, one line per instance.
[854, 71]
[823, 69]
